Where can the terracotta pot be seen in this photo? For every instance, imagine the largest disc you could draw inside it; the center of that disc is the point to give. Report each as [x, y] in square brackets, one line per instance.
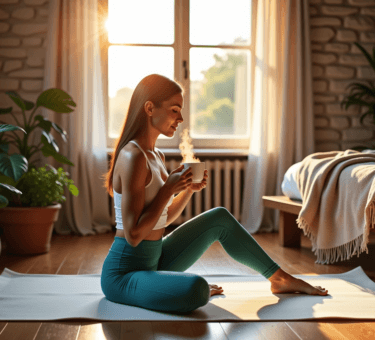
[28, 230]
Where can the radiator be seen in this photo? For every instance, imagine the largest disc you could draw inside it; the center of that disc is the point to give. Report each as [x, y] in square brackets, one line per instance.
[224, 188]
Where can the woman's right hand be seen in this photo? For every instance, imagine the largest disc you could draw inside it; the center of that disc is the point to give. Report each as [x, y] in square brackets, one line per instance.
[178, 180]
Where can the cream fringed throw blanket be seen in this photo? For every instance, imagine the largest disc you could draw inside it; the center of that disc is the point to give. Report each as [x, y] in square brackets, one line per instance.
[338, 209]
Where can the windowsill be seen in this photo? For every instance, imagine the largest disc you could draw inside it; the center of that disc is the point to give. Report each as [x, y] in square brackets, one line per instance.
[203, 152]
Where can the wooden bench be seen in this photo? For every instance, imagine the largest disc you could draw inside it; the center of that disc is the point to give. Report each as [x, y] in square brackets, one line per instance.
[289, 233]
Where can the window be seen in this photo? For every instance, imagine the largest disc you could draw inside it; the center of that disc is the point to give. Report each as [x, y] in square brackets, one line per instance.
[204, 44]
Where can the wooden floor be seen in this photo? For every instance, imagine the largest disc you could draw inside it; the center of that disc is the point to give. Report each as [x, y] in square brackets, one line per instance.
[85, 255]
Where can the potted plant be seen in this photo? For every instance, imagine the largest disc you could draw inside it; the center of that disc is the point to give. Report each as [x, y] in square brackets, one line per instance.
[355, 98]
[27, 221]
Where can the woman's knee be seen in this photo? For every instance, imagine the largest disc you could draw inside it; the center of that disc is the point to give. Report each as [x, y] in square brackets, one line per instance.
[202, 288]
[222, 210]
[197, 295]
[224, 214]
[107, 289]
[227, 221]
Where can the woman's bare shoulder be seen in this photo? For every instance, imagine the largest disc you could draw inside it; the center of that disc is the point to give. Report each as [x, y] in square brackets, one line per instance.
[128, 151]
[130, 158]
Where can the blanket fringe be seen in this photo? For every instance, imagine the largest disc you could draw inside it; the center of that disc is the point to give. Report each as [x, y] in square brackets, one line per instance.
[345, 251]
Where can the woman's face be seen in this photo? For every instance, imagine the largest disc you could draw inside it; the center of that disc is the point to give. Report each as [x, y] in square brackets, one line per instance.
[166, 118]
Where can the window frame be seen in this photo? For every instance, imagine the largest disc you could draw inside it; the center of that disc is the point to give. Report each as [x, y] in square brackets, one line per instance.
[181, 52]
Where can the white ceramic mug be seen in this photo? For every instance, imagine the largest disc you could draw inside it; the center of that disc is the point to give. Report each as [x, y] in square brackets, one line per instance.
[197, 169]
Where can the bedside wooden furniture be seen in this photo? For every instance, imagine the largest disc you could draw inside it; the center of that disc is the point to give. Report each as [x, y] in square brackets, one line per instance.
[289, 233]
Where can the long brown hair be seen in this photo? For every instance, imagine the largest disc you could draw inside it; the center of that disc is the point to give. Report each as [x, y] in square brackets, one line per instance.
[155, 88]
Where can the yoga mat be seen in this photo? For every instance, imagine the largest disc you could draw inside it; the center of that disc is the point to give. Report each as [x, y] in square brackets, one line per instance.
[247, 297]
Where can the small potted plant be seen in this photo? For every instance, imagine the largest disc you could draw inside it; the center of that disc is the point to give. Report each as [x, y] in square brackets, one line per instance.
[368, 92]
[29, 197]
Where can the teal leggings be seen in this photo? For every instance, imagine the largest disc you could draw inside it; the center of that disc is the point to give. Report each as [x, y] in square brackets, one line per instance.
[152, 276]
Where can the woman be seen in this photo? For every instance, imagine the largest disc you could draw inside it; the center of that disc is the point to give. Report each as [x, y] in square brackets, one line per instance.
[143, 268]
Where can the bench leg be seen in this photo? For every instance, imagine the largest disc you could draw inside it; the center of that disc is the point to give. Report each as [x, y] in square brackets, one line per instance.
[289, 233]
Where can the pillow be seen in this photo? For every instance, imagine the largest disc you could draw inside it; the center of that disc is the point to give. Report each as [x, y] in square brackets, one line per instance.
[289, 185]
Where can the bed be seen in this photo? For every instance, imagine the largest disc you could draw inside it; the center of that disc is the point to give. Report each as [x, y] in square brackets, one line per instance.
[291, 204]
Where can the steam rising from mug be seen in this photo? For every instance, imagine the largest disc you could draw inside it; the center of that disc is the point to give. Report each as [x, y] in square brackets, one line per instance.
[188, 159]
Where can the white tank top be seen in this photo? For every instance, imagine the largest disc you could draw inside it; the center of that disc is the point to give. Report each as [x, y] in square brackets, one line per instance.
[151, 189]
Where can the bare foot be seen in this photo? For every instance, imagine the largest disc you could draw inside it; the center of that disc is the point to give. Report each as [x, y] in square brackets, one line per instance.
[285, 283]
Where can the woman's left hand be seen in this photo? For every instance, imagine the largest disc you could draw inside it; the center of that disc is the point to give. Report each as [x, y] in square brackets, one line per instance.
[215, 290]
[195, 187]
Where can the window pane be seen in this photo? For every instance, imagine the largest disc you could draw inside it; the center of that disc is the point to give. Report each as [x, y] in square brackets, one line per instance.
[127, 66]
[220, 22]
[219, 92]
[141, 21]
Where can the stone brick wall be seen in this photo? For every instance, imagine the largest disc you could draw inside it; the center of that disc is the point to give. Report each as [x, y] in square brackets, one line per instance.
[334, 27]
[23, 32]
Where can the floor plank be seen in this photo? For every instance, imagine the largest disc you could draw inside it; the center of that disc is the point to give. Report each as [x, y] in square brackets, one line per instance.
[20, 331]
[208, 331]
[172, 330]
[100, 331]
[243, 330]
[57, 331]
[312, 330]
[363, 330]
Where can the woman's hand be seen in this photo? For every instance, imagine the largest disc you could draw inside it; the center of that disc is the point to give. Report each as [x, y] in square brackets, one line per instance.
[195, 187]
[178, 180]
[215, 290]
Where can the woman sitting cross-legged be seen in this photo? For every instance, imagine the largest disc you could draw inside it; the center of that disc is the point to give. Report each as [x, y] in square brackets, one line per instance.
[143, 268]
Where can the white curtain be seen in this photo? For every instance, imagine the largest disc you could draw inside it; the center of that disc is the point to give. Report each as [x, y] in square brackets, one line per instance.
[282, 127]
[73, 64]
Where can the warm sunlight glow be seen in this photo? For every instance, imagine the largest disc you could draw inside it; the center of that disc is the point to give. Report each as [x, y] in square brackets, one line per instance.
[123, 68]
[133, 24]
[141, 21]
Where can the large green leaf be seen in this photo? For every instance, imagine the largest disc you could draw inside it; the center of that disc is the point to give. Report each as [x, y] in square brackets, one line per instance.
[46, 125]
[7, 180]
[56, 100]
[48, 150]
[61, 131]
[14, 166]
[5, 111]
[62, 159]
[47, 138]
[11, 188]
[22, 103]
[4, 147]
[10, 127]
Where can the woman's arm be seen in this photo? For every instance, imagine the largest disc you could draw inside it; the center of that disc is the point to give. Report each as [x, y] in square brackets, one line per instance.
[178, 205]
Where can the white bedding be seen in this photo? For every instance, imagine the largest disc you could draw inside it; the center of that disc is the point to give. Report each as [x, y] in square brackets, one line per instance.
[289, 184]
